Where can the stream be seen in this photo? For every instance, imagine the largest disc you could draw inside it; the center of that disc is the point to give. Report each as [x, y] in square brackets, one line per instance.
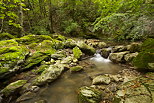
[64, 89]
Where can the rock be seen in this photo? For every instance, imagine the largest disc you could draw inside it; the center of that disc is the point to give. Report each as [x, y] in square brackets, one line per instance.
[151, 66]
[118, 57]
[86, 48]
[70, 43]
[89, 95]
[105, 52]
[34, 59]
[29, 39]
[120, 48]
[76, 68]
[77, 53]
[26, 96]
[101, 79]
[59, 37]
[102, 45]
[8, 43]
[49, 75]
[58, 56]
[69, 60]
[6, 36]
[95, 43]
[10, 59]
[11, 88]
[134, 47]
[129, 57]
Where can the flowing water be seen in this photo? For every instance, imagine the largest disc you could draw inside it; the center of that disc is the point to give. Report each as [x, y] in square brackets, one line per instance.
[64, 89]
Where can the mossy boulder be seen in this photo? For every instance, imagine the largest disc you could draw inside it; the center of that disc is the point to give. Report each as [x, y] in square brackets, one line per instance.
[8, 43]
[145, 56]
[77, 53]
[59, 37]
[86, 48]
[34, 59]
[6, 36]
[70, 43]
[134, 47]
[26, 40]
[101, 79]
[11, 88]
[120, 48]
[105, 52]
[10, 57]
[89, 95]
[49, 75]
[76, 68]
[41, 68]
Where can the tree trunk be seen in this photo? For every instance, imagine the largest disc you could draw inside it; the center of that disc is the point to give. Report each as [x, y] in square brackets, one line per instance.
[21, 20]
[50, 16]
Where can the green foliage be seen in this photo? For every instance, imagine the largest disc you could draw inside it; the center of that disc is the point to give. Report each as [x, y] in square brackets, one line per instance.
[39, 30]
[145, 56]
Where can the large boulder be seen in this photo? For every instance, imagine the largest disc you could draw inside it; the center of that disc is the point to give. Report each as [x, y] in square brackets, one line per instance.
[89, 95]
[101, 79]
[134, 47]
[11, 88]
[49, 74]
[70, 43]
[118, 57]
[77, 53]
[105, 52]
[129, 57]
[120, 48]
[10, 58]
[86, 48]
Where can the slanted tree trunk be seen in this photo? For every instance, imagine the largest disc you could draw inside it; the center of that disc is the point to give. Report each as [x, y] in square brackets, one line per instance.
[21, 20]
[50, 16]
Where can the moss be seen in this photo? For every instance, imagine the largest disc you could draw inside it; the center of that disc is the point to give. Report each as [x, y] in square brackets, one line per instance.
[34, 59]
[9, 56]
[76, 68]
[32, 39]
[41, 69]
[59, 37]
[6, 36]
[70, 43]
[145, 56]
[77, 53]
[13, 87]
[8, 43]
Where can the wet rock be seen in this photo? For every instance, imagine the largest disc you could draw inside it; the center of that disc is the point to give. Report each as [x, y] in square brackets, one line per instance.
[105, 52]
[102, 79]
[118, 57]
[134, 47]
[26, 96]
[49, 75]
[10, 58]
[116, 78]
[70, 43]
[151, 66]
[129, 57]
[89, 95]
[95, 43]
[76, 68]
[86, 48]
[77, 53]
[120, 48]
[58, 56]
[11, 88]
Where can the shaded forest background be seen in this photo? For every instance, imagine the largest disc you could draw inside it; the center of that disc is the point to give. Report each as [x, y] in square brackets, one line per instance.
[115, 19]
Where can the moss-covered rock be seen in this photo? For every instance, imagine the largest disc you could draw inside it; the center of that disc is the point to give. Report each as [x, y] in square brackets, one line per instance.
[13, 87]
[105, 52]
[76, 68]
[86, 48]
[134, 47]
[89, 95]
[101, 79]
[70, 43]
[9, 58]
[77, 52]
[145, 56]
[41, 69]
[59, 37]
[49, 74]
[32, 39]
[8, 43]
[6, 36]
[34, 59]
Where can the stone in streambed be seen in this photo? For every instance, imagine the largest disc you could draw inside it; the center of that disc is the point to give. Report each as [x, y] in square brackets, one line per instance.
[105, 52]
[89, 95]
[120, 48]
[11, 88]
[129, 57]
[76, 68]
[77, 53]
[101, 79]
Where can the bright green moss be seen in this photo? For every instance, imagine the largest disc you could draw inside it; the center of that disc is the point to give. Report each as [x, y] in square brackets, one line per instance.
[8, 43]
[13, 87]
[6, 36]
[76, 68]
[77, 53]
[41, 69]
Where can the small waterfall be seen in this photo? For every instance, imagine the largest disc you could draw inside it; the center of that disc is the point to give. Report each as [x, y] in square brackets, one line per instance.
[98, 58]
